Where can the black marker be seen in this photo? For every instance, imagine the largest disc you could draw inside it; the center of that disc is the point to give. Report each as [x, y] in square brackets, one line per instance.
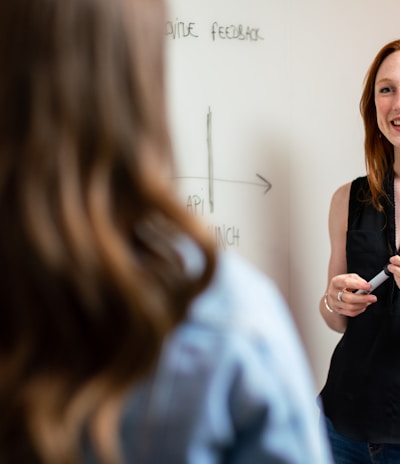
[377, 280]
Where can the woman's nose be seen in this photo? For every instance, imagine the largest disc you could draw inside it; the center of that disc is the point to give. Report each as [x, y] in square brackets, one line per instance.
[396, 101]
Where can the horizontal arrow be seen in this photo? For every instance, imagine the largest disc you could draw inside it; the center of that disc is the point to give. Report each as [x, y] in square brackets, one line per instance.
[265, 183]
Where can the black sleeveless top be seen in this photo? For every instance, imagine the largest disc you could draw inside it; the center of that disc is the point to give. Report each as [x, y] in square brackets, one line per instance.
[362, 393]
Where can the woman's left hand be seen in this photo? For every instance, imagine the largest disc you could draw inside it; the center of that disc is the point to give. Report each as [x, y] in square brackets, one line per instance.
[394, 268]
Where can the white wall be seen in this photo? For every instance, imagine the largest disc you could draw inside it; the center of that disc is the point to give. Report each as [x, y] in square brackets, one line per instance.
[282, 104]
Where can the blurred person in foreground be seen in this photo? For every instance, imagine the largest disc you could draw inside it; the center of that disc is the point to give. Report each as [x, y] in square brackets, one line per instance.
[125, 337]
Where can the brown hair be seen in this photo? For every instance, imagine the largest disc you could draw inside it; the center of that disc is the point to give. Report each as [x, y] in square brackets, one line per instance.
[379, 152]
[92, 280]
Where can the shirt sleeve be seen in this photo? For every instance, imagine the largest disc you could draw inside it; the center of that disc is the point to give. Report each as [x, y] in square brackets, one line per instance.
[272, 400]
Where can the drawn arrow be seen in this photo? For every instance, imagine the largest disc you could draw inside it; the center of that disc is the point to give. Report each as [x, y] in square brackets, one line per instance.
[268, 185]
[265, 183]
[211, 179]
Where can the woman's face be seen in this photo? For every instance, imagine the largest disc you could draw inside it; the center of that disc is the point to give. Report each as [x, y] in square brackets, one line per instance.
[387, 98]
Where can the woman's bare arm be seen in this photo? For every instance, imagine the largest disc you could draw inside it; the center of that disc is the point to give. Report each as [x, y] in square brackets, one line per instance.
[338, 278]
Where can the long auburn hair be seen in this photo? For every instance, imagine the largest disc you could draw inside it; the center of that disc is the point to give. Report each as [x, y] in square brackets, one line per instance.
[379, 152]
[91, 278]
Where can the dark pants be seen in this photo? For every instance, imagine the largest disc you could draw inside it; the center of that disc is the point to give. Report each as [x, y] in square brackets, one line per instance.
[348, 451]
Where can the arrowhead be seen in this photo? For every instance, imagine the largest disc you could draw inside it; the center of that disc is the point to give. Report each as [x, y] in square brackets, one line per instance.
[268, 185]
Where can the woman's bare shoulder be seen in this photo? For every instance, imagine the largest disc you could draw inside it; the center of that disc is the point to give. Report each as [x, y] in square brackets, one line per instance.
[339, 210]
[341, 195]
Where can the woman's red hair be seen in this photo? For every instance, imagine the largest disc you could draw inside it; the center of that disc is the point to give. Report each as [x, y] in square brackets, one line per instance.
[379, 152]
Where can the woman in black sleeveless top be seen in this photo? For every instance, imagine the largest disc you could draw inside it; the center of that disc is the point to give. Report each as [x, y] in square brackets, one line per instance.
[361, 397]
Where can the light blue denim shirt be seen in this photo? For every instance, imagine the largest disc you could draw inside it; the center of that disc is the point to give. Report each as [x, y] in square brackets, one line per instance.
[232, 385]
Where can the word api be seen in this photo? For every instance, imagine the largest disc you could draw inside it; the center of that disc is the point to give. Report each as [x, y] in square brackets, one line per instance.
[195, 205]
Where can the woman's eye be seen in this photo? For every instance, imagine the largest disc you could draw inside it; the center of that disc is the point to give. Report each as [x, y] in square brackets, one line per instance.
[385, 90]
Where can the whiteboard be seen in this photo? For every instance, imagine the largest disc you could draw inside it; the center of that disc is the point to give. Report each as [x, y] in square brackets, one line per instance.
[263, 101]
[226, 81]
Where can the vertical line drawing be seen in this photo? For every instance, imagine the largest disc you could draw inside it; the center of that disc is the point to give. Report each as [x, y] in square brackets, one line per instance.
[210, 161]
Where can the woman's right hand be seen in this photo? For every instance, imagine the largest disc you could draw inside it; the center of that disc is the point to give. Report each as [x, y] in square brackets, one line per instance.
[341, 298]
